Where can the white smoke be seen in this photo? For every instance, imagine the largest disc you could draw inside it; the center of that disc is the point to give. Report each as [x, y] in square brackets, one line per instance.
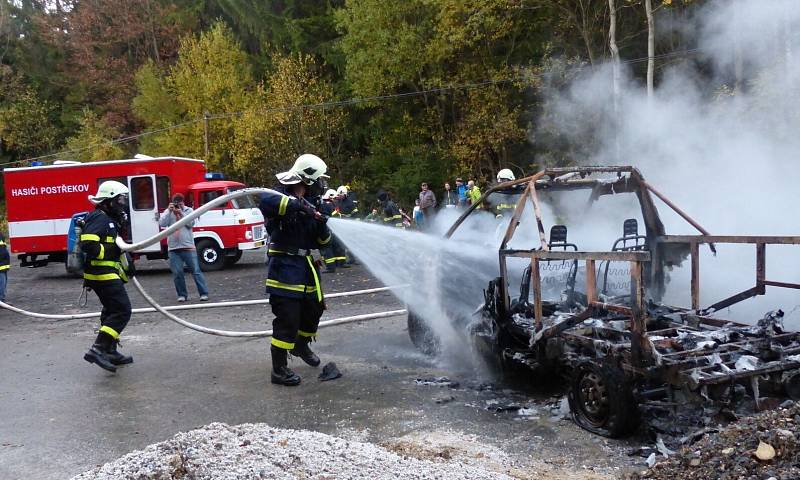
[723, 150]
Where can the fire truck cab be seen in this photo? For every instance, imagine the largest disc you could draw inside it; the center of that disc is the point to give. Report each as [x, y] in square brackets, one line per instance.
[42, 199]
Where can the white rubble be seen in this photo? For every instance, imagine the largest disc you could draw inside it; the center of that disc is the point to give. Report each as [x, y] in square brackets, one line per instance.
[256, 450]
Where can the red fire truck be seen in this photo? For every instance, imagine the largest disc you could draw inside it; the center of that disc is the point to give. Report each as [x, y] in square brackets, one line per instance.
[42, 199]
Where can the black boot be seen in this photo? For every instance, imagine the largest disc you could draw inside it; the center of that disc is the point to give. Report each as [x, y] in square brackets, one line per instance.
[116, 357]
[302, 350]
[98, 353]
[281, 375]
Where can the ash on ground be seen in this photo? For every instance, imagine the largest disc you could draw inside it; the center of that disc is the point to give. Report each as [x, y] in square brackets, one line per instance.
[251, 451]
[763, 446]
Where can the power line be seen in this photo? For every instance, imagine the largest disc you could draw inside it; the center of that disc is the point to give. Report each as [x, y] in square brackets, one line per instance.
[334, 104]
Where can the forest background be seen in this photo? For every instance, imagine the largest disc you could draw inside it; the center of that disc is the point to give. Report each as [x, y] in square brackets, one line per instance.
[390, 94]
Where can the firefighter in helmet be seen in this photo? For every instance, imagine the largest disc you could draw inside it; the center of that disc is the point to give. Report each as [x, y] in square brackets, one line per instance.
[106, 270]
[347, 208]
[391, 214]
[505, 201]
[329, 256]
[295, 294]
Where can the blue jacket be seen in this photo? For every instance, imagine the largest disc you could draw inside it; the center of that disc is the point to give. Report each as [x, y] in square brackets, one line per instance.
[291, 271]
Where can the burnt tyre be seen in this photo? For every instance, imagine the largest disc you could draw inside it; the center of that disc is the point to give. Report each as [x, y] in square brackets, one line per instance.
[422, 336]
[209, 255]
[231, 260]
[601, 400]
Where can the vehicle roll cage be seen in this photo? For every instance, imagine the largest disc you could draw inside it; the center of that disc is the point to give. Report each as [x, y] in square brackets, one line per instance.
[647, 262]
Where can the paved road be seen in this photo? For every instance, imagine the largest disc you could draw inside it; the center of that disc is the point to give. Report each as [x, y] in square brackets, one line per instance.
[61, 416]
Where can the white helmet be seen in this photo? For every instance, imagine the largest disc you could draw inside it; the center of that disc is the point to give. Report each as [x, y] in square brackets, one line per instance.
[108, 189]
[505, 175]
[307, 168]
[342, 190]
[329, 195]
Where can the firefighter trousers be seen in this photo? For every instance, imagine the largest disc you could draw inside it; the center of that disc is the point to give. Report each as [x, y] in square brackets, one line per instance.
[116, 306]
[294, 317]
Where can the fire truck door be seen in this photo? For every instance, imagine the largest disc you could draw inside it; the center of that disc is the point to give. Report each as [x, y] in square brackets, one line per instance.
[144, 210]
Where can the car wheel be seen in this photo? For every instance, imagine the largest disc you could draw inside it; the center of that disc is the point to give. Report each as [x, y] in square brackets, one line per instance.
[209, 255]
[422, 336]
[601, 400]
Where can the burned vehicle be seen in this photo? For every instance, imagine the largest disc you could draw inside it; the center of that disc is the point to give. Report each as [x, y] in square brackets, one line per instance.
[625, 354]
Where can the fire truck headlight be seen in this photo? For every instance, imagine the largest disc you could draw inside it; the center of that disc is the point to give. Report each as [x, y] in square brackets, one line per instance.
[248, 235]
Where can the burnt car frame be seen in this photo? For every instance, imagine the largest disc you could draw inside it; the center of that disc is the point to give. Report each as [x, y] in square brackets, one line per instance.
[624, 356]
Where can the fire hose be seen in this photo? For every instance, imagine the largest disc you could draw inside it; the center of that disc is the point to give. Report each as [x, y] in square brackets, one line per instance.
[124, 246]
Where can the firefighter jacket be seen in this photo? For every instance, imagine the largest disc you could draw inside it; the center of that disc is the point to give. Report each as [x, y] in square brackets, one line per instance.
[5, 258]
[291, 271]
[505, 201]
[98, 242]
[391, 214]
[327, 208]
[347, 208]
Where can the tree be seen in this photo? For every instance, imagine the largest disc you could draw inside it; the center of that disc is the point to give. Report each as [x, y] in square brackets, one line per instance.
[284, 119]
[103, 43]
[212, 74]
[93, 141]
[26, 126]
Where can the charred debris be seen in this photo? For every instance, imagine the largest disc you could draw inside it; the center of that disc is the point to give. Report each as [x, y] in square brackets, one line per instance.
[628, 358]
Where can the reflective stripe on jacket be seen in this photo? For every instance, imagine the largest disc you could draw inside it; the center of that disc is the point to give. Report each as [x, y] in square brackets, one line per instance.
[98, 241]
[291, 271]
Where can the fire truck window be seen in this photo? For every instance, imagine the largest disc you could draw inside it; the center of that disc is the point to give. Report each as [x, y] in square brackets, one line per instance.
[206, 197]
[142, 193]
[162, 192]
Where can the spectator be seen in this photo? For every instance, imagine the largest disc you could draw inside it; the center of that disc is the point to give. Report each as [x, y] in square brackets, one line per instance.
[450, 197]
[419, 219]
[181, 249]
[473, 192]
[461, 191]
[373, 216]
[427, 204]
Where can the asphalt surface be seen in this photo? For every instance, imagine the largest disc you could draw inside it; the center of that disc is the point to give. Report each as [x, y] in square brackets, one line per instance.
[60, 416]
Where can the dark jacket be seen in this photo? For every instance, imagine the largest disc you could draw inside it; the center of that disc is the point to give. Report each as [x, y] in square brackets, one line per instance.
[449, 198]
[5, 257]
[391, 214]
[291, 271]
[98, 242]
[347, 207]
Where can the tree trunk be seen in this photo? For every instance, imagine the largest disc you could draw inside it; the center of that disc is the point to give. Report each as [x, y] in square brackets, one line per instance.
[615, 65]
[651, 47]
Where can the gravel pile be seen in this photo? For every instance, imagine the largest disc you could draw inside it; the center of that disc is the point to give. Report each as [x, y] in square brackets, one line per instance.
[252, 451]
[763, 446]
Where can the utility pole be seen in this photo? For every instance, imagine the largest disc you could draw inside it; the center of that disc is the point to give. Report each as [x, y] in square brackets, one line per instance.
[615, 65]
[205, 133]
[651, 47]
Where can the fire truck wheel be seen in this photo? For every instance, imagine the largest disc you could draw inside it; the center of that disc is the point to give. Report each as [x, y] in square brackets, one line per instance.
[232, 260]
[210, 255]
[601, 400]
[422, 336]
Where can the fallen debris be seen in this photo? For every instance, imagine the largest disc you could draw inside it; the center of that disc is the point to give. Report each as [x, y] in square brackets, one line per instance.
[253, 451]
[329, 372]
[761, 446]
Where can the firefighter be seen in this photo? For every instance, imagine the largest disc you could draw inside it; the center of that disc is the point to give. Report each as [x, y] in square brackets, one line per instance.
[391, 214]
[328, 208]
[5, 264]
[295, 294]
[106, 271]
[347, 208]
[505, 200]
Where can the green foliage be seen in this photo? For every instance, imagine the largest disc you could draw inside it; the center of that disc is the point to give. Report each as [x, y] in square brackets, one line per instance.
[92, 142]
[272, 132]
[26, 128]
